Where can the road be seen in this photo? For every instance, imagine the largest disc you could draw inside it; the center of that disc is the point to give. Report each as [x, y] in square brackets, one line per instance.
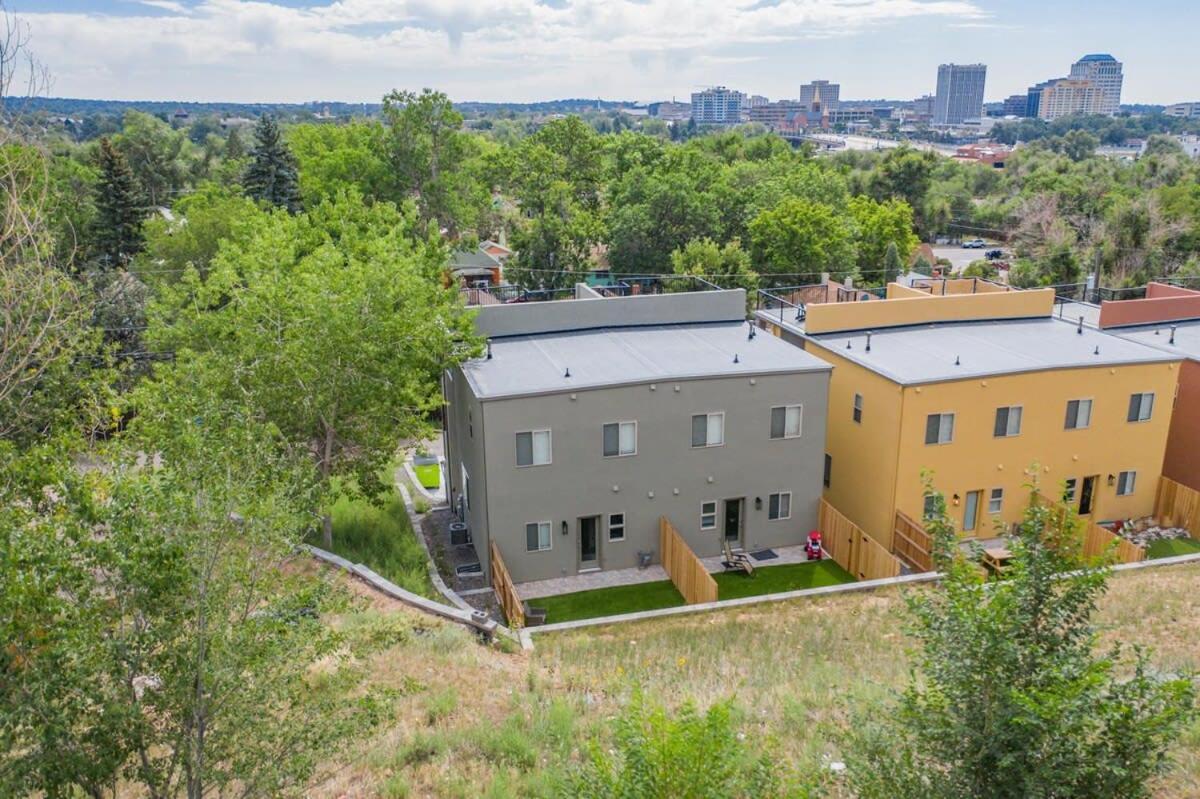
[960, 257]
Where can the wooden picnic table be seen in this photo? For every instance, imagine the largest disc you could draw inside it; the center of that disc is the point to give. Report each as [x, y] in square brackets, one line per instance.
[996, 558]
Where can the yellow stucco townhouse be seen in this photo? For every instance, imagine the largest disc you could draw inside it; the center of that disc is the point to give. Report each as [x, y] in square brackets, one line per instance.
[977, 384]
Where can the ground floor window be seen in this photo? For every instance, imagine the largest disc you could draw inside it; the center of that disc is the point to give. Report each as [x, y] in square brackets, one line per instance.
[708, 515]
[616, 527]
[779, 506]
[931, 506]
[537, 536]
[996, 500]
[1125, 483]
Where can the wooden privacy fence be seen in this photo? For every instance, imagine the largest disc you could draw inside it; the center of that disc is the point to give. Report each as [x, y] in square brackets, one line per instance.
[1096, 539]
[506, 592]
[683, 567]
[912, 544]
[1178, 504]
[854, 550]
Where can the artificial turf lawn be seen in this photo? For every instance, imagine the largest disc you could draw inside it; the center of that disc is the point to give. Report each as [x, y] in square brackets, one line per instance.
[429, 474]
[1172, 547]
[663, 594]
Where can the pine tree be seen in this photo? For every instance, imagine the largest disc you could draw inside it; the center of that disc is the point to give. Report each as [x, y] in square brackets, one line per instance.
[272, 175]
[892, 265]
[234, 148]
[119, 211]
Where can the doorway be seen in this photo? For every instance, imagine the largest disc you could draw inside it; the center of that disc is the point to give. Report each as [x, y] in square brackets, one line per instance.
[1087, 495]
[971, 511]
[589, 543]
[733, 521]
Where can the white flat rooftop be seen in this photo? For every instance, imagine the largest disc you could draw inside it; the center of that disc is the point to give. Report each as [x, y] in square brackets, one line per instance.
[613, 356]
[1158, 335]
[950, 351]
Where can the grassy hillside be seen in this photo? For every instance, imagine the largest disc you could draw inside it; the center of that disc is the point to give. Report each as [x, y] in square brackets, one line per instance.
[477, 721]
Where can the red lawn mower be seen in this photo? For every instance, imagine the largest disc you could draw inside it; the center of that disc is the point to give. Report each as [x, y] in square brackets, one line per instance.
[812, 547]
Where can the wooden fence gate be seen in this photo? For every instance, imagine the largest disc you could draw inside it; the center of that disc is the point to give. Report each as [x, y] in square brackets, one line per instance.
[912, 544]
[853, 549]
[1177, 504]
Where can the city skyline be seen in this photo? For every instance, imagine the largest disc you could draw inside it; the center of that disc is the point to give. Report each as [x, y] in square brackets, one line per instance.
[523, 51]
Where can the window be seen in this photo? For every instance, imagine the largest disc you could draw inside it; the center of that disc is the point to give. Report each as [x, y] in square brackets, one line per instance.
[1141, 406]
[785, 421]
[930, 507]
[939, 428]
[1125, 483]
[858, 402]
[537, 536]
[708, 429]
[828, 469]
[779, 506]
[708, 515]
[620, 439]
[1008, 422]
[996, 500]
[1079, 414]
[533, 448]
[616, 527]
[1069, 490]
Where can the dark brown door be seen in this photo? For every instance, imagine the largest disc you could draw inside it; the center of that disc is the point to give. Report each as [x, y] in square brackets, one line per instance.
[1087, 495]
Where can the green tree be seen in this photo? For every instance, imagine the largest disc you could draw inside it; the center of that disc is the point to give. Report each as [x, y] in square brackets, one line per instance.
[893, 267]
[117, 233]
[158, 155]
[203, 220]
[879, 227]
[1078, 145]
[271, 176]
[728, 267]
[1012, 700]
[235, 148]
[904, 174]
[801, 239]
[337, 157]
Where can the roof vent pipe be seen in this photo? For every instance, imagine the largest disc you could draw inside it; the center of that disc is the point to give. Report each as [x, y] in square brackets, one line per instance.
[868, 341]
[489, 349]
[1097, 352]
[1079, 329]
[568, 373]
[752, 333]
[735, 358]
[957, 361]
[1172, 341]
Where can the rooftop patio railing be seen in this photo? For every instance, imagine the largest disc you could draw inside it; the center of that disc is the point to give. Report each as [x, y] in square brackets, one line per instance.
[771, 302]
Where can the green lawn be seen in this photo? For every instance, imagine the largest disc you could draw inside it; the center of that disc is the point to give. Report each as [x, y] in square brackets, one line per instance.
[429, 475]
[382, 538]
[1173, 547]
[652, 596]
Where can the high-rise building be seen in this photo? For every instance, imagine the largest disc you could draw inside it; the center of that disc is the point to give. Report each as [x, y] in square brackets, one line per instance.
[1185, 110]
[1015, 105]
[959, 93]
[718, 106]
[1104, 71]
[820, 95]
[1066, 96]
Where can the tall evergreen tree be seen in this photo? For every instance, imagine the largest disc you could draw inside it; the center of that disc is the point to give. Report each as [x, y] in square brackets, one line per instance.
[272, 175]
[119, 211]
[892, 265]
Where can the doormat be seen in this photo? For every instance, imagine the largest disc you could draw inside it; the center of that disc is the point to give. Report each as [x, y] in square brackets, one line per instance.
[764, 554]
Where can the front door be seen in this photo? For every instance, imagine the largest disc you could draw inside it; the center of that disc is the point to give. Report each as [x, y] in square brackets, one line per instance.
[589, 543]
[733, 521]
[971, 511]
[1087, 495]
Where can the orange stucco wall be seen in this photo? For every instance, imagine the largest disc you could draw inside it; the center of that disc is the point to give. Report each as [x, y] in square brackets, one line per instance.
[919, 308]
[1182, 462]
[1163, 303]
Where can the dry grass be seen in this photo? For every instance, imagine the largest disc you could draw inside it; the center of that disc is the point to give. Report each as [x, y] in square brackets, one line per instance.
[799, 671]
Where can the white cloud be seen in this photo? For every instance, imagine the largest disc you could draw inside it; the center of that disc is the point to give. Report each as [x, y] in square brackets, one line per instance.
[474, 49]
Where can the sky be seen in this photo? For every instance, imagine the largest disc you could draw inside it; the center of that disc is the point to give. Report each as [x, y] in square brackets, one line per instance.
[643, 50]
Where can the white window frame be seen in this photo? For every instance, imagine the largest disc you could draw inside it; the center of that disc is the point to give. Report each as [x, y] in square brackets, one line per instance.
[533, 449]
[996, 501]
[1008, 431]
[549, 536]
[609, 522]
[941, 424]
[1126, 482]
[713, 513]
[1091, 408]
[779, 495]
[707, 426]
[619, 425]
[799, 408]
[1141, 395]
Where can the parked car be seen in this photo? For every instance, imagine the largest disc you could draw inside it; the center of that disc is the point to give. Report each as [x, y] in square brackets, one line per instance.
[992, 255]
[974, 244]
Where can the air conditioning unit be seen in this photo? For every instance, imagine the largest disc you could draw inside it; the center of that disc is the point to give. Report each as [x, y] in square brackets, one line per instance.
[460, 534]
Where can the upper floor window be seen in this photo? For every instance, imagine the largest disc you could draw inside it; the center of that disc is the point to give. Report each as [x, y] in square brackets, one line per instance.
[786, 421]
[828, 476]
[1125, 483]
[1008, 422]
[708, 429]
[858, 405]
[1141, 407]
[939, 428]
[620, 438]
[1069, 488]
[1079, 414]
[533, 448]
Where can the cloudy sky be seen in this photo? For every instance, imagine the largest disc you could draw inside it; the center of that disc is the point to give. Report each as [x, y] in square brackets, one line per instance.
[522, 50]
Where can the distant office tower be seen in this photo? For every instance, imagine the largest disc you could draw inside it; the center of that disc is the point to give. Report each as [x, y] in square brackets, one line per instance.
[959, 93]
[1015, 105]
[820, 96]
[718, 106]
[1066, 96]
[1186, 110]
[1104, 71]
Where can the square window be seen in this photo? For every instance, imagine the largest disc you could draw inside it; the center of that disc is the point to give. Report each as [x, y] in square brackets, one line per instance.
[708, 429]
[1008, 422]
[537, 536]
[1125, 483]
[858, 408]
[533, 448]
[930, 507]
[996, 500]
[708, 515]
[620, 439]
[1079, 414]
[616, 527]
[1141, 407]
[779, 506]
[786, 421]
[939, 428]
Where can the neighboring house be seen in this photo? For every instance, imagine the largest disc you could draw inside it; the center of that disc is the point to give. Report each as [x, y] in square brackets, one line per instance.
[591, 418]
[1169, 319]
[977, 386]
[475, 268]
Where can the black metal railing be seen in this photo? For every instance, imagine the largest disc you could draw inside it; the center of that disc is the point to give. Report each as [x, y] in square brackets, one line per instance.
[773, 304]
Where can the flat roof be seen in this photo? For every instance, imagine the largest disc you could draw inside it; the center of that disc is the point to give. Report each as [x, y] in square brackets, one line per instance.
[951, 351]
[1158, 335]
[615, 356]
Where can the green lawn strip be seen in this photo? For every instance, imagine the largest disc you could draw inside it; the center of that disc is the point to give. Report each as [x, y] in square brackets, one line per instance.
[429, 475]
[663, 594]
[1169, 548]
[382, 538]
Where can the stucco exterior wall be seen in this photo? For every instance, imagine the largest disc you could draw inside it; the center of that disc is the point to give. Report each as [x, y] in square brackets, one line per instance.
[1163, 303]
[925, 309]
[1182, 462]
[465, 428]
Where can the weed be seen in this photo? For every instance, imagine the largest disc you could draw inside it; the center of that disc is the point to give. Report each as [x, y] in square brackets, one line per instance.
[422, 748]
[395, 787]
[440, 705]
